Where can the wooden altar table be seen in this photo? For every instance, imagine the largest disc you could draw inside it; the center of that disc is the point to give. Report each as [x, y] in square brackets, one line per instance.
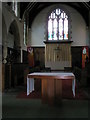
[51, 84]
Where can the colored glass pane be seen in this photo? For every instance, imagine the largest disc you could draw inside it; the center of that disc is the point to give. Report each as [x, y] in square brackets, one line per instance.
[58, 25]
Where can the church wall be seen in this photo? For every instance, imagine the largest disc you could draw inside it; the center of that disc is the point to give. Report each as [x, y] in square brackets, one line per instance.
[79, 31]
[9, 18]
[7, 40]
[10, 40]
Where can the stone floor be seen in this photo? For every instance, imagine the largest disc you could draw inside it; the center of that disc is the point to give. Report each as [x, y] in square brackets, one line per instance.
[13, 107]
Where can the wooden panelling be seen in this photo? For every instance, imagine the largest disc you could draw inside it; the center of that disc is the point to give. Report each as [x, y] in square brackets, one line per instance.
[58, 53]
[25, 56]
[3, 77]
[76, 52]
[39, 55]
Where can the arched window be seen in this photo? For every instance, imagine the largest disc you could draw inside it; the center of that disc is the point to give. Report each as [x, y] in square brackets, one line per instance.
[57, 25]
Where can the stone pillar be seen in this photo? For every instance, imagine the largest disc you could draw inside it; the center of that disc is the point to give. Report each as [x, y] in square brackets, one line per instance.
[18, 9]
[4, 52]
[29, 37]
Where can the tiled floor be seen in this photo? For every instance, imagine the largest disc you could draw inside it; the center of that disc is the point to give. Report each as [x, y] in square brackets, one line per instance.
[13, 107]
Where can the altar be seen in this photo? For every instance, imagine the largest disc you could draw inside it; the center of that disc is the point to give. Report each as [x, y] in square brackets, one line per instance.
[51, 84]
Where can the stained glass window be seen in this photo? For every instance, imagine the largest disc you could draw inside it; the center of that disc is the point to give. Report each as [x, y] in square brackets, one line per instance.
[58, 25]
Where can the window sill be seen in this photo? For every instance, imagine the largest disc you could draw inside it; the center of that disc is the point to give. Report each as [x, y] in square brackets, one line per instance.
[62, 41]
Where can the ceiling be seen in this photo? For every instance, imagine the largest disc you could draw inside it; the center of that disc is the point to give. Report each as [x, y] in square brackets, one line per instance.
[33, 8]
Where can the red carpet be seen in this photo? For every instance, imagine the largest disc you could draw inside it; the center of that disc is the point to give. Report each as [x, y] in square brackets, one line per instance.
[66, 93]
[33, 95]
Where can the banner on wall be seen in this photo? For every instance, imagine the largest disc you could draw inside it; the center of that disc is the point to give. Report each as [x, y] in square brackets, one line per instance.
[30, 56]
[85, 55]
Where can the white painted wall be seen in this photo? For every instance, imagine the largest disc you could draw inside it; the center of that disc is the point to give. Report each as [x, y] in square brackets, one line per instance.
[38, 30]
[37, 33]
[79, 31]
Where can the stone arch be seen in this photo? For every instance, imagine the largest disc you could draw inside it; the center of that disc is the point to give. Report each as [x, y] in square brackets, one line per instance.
[14, 31]
[13, 42]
